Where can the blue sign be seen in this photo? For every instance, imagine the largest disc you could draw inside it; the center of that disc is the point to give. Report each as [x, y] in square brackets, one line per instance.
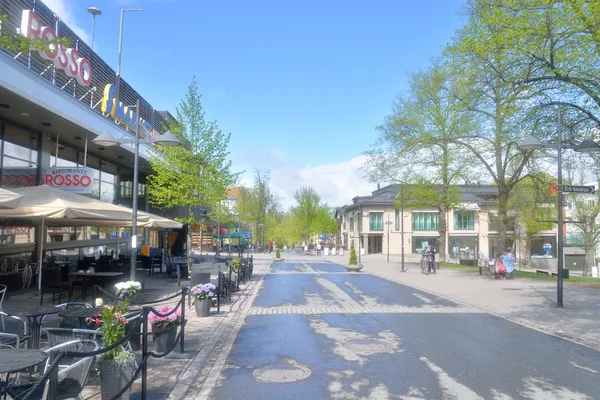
[547, 247]
[124, 234]
[323, 236]
[248, 235]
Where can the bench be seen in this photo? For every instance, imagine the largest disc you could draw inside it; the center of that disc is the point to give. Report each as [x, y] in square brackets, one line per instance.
[544, 272]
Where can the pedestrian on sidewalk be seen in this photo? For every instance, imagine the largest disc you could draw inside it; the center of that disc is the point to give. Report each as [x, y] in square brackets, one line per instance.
[318, 249]
[508, 259]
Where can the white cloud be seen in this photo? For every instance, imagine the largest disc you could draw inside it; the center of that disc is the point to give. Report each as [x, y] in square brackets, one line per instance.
[336, 183]
[63, 8]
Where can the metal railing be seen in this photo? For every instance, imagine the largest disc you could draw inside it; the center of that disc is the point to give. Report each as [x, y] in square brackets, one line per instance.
[52, 373]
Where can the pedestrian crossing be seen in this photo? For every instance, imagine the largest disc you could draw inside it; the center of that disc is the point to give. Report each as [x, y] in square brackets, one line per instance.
[363, 310]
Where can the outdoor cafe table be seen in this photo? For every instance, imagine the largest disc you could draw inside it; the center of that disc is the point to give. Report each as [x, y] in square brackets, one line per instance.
[93, 275]
[34, 315]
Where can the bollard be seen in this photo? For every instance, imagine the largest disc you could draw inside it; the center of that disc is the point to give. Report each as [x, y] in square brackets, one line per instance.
[183, 293]
[145, 311]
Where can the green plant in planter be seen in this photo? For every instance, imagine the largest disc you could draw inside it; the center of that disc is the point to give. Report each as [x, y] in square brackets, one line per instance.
[278, 255]
[112, 321]
[235, 264]
[352, 260]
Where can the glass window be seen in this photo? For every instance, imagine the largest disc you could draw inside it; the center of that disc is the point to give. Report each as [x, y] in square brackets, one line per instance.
[420, 243]
[495, 249]
[397, 219]
[376, 221]
[464, 220]
[425, 221]
[352, 223]
[344, 220]
[19, 157]
[360, 221]
[494, 223]
[463, 248]
[16, 235]
[544, 247]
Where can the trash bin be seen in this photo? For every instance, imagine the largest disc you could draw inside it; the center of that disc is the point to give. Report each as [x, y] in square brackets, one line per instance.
[326, 251]
[565, 273]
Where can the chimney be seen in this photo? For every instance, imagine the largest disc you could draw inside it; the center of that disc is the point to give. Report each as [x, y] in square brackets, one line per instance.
[378, 186]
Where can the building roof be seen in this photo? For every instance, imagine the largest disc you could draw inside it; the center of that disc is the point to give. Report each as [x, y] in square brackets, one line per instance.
[482, 195]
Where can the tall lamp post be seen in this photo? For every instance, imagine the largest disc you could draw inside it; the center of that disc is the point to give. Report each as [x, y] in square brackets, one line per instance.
[531, 143]
[388, 223]
[118, 80]
[94, 11]
[106, 139]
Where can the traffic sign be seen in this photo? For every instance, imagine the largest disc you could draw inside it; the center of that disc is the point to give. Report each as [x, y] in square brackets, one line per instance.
[578, 189]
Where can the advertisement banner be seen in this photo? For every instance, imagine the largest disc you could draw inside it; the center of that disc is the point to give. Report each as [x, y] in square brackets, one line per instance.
[75, 180]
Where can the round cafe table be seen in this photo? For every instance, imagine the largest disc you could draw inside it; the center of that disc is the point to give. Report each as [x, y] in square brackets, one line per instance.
[14, 360]
[34, 315]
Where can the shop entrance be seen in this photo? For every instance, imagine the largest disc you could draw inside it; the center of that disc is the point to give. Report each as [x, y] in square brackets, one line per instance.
[375, 244]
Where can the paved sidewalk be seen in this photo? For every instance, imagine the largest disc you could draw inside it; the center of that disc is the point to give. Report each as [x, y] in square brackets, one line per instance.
[524, 301]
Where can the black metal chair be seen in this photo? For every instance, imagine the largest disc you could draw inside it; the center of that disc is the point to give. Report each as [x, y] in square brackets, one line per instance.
[72, 378]
[54, 284]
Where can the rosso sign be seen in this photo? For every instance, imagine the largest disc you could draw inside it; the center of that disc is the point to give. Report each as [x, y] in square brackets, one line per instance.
[66, 59]
[77, 180]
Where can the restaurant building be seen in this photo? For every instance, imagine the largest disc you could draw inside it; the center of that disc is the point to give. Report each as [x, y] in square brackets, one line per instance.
[53, 103]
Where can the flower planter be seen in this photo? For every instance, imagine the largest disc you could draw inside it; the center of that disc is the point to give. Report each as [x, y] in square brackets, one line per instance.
[203, 307]
[164, 338]
[353, 268]
[114, 376]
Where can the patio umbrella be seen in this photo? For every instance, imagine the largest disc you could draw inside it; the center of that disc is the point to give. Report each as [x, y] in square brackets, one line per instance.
[158, 222]
[9, 199]
[41, 204]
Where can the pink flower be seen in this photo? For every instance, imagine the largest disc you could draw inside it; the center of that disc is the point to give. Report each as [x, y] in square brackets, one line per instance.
[125, 322]
[118, 315]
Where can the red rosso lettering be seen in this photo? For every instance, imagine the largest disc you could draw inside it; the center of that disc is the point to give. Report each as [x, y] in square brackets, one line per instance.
[18, 180]
[68, 180]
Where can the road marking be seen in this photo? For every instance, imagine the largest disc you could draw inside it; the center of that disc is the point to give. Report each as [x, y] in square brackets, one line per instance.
[573, 363]
[451, 388]
[361, 310]
[424, 299]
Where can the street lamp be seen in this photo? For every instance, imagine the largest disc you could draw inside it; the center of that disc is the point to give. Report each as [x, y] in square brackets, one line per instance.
[531, 143]
[94, 11]
[106, 139]
[118, 80]
[388, 223]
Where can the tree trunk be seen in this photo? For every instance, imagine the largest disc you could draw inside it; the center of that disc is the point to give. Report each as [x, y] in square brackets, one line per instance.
[189, 242]
[502, 217]
[443, 228]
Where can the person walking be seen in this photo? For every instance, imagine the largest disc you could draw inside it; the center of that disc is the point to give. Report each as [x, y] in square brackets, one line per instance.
[508, 259]
[318, 249]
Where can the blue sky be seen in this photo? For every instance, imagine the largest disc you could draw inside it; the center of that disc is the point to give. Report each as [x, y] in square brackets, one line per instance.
[301, 85]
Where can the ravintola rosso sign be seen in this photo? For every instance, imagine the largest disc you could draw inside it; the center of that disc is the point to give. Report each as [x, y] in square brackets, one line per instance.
[77, 180]
[67, 59]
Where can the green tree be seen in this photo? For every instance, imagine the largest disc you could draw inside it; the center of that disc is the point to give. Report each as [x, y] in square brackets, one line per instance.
[23, 44]
[530, 203]
[352, 260]
[306, 210]
[415, 146]
[196, 174]
[260, 201]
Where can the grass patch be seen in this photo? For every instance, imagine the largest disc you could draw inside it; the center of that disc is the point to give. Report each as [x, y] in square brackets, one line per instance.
[458, 267]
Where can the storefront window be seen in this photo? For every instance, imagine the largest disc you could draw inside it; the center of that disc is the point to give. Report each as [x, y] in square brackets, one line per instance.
[425, 221]
[376, 221]
[463, 247]
[544, 247]
[10, 235]
[464, 220]
[360, 221]
[19, 156]
[420, 243]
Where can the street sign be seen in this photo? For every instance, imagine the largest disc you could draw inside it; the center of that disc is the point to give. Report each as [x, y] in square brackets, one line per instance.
[248, 235]
[578, 189]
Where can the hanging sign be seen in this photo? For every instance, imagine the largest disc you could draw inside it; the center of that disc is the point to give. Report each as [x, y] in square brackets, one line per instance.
[67, 59]
[76, 180]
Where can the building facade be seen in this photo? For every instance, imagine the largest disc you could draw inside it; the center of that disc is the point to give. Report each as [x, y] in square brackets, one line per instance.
[375, 224]
[53, 103]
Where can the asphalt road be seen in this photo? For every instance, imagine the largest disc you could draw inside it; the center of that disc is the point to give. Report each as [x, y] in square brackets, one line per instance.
[316, 332]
